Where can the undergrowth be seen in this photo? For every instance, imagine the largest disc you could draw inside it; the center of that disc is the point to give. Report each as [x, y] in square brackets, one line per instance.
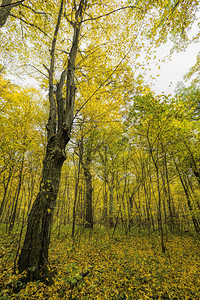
[98, 266]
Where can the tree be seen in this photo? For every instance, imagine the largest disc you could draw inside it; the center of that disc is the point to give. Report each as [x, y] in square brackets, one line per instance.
[168, 132]
[34, 254]
[194, 72]
[21, 135]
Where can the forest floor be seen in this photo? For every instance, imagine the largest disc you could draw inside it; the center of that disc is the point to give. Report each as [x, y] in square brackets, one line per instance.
[98, 266]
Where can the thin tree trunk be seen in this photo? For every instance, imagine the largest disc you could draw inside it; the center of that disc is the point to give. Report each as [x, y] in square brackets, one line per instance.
[13, 215]
[63, 203]
[169, 198]
[75, 201]
[7, 208]
[103, 157]
[85, 160]
[111, 220]
[89, 192]
[160, 221]
[147, 205]
[5, 192]
[194, 220]
[67, 215]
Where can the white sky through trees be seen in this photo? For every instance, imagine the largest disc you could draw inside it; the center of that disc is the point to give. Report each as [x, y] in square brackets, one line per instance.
[172, 71]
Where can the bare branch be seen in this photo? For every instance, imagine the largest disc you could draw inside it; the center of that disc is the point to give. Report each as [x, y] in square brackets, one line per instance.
[30, 24]
[68, 20]
[35, 12]
[113, 11]
[32, 66]
[46, 68]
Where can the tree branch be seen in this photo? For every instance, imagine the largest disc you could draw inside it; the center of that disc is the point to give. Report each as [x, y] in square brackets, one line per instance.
[30, 24]
[12, 4]
[70, 88]
[113, 11]
[51, 125]
[32, 66]
[103, 83]
[5, 10]
[35, 12]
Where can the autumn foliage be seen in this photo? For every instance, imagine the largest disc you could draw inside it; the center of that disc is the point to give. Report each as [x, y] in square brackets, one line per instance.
[100, 177]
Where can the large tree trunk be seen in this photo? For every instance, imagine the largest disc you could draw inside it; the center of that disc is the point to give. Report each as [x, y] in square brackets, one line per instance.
[34, 255]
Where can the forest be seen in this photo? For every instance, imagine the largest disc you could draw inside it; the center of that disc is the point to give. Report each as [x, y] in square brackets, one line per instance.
[99, 174]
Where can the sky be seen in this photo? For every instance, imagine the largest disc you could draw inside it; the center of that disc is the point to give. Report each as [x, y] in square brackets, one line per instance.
[172, 71]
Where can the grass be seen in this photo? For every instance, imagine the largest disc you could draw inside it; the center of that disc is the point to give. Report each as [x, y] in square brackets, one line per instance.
[96, 266]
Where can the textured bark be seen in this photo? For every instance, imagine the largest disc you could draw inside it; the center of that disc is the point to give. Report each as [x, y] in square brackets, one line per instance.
[34, 254]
